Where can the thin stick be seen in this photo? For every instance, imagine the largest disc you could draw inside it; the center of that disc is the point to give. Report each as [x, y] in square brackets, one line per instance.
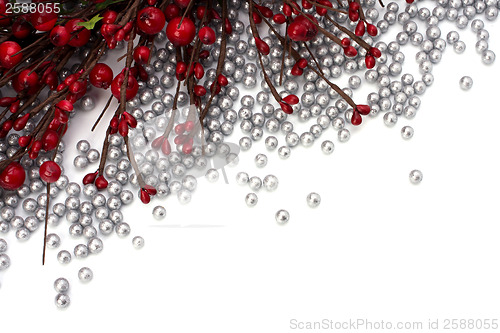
[46, 223]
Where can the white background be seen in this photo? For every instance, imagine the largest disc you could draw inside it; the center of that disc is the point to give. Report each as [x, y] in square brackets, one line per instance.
[377, 248]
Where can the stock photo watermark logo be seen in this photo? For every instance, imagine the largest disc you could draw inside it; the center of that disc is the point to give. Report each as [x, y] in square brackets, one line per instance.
[172, 148]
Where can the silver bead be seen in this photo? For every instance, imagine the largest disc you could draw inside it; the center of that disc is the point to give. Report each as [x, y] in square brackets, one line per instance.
[106, 227]
[282, 216]
[93, 155]
[75, 230]
[138, 242]
[23, 234]
[62, 301]
[81, 251]
[87, 103]
[255, 183]
[270, 182]
[122, 229]
[344, 135]
[53, 241]
[3, 245]
[85, 274]
[327, 147]
[284, 152]
[313, 199]
[61, 285]
[4, 261]
[390, 119]
[416, 176]
[64, 257]
[95, 245]
[80, 162]
[251, 199]
[466, 82]
[260, 160]
[488, 57]
[212, 175]
[407, 132]
[83, 146]
[159, 212]
[459, 47]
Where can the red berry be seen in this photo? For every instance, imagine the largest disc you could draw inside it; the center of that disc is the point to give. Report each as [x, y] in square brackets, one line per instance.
[21, 28]
[89, 178]
[306, 4]
[101, 183]
[181, 35]
[5, 20]
[356, 118]
[101, 76]
[262, 46]
[375, 52]
[350, 51]
[82, 37]
[50, 140]
[182, 3]
[145, 198]
[132, 86]
[301, 29]
[21, 122]
[371, 29]
[12, 177]
[109, 17]
[279, 18]
[200, 12]
[26, 82]
[291, 99]
[59, 36]
[7, 57]
[369, 61]
[172, 11]
[345, 42]
[207, 35]
[43, 20]
[150, 20]
[363, 109]
[50, 171]
[360, 28]
[141, 54]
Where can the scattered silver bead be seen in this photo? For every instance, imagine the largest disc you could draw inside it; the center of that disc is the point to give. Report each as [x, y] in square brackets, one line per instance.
[62, 301]
[61, 285]
[64, 257]
[53, 241]
[313, 199]
[251, 199]
[416, 176]
[407, 132]
[466, 82]
[261, 160]
[85, 274]
[159, 212]
[282, 216]
[138, 242]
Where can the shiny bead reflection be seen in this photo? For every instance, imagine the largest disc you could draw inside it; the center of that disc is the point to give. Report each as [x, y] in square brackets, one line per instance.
[282, 216]
[416, 176]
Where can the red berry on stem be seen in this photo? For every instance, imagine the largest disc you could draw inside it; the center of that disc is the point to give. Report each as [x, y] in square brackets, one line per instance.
[350, 51]
[356, 118]
[262, 46]
[360, 28]
[21, 28]
[207, 35]
[150, 20]
[78, 39]
[182, 3]
[20, 122]
[132, 86]
[101, 76]
[43, 20]
[109, 17]
[101, 183]
[369, 61]
[141, 54]
[181, 34]
[279, 18]
[302, 29]
[59, 36]
[371, 29]
[50, 171]
[26, 82]
[50, 140]
[291, 99]
[12, 177]
[375, 52]
[145, 198]
[345, 42]
[363, 109]
[89, 178]
[7, 57]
